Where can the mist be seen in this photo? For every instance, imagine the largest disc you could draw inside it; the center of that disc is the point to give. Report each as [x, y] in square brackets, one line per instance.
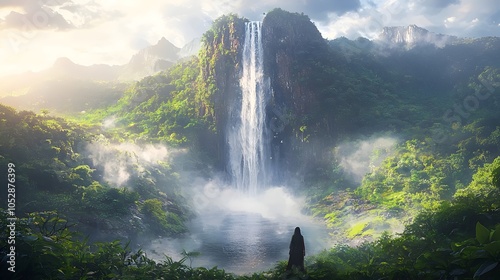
[360, 157]
[231, 229]
[121, 161]
[239, 232]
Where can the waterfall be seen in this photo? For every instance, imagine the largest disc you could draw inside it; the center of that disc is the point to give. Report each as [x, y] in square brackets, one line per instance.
[247, 135]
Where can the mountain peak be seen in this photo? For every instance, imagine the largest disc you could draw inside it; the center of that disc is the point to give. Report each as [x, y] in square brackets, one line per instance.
[191, 48]
[411, 36]
[163, 43]
[63, 62]
[164, 49]
[151, 60]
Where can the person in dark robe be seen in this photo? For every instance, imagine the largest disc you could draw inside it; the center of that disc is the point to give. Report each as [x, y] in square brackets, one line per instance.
[297, 251]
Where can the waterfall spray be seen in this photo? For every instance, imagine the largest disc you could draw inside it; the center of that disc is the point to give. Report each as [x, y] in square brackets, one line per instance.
[247, 136]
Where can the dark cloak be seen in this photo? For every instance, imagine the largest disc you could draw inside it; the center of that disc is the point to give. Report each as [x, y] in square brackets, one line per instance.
[297, 251]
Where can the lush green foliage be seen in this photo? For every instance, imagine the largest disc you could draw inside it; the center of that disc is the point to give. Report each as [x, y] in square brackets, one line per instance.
[49, 251]
[161, 220]
[450, 242]
[70, 96]
[52, 173]
[160, 107]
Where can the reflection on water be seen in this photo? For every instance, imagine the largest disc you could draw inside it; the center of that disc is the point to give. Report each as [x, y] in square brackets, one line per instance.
[242, 233]
[241, 242]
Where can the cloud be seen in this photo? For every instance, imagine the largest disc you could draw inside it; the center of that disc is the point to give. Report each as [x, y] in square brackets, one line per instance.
[89, 14]
[43, 19]
[34, 15]
[366, 23]
[111, 31]
[433, 6]
[316, 9]
[31, 5]
[319, 10]
[494, 18]
[450, 17]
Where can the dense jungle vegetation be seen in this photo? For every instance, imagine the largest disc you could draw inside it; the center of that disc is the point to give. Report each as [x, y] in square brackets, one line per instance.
[441, 177]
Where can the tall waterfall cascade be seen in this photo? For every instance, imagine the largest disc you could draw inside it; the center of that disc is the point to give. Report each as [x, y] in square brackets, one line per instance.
[247, 135]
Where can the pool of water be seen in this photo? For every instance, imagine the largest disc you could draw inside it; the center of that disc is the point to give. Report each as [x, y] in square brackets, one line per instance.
[241, 242]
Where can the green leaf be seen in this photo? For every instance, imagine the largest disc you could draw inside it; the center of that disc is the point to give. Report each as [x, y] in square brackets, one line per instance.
[482, 233]
[485, 268]
[495, 235]
[493, 248]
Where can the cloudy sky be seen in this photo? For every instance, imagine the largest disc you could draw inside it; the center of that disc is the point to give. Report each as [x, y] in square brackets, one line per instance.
[34, 33]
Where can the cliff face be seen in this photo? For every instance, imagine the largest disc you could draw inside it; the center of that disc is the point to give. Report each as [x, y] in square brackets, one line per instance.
[295, 53]
[294, 57]
[292, 43]
[220, 63]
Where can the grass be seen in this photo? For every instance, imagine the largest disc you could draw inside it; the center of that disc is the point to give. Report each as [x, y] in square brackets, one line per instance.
[357, 229]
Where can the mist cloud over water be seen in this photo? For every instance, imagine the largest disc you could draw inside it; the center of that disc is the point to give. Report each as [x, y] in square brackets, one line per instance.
[240, 232]
[272, 203]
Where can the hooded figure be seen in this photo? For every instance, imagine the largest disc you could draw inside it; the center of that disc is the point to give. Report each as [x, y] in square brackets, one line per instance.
[297, 251]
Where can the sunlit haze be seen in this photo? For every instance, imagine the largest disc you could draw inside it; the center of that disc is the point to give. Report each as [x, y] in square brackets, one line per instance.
[33, 34]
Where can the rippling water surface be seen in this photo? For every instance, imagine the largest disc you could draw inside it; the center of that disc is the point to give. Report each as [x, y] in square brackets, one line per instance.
[242, 235]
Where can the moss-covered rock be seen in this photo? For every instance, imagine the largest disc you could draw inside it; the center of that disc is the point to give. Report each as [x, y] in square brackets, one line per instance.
[220, 67]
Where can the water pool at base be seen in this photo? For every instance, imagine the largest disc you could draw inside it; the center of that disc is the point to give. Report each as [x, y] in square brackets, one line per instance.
[240, 242]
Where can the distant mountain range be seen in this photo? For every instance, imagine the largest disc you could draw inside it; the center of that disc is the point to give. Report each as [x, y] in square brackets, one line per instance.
[66, 79]
[64, 86]
[164, 54]
[404, 39]
[146, 62]
[156, 58]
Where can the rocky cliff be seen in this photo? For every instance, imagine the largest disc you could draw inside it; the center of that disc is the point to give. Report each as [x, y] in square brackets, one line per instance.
[295, 52]
[292, 43]
[220, 68]
[295, 56]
